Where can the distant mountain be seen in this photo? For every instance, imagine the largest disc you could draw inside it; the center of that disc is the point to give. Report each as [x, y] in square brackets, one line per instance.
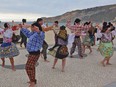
[96, 14]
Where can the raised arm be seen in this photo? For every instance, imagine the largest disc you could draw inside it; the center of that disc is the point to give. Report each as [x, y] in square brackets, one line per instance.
[68, 24]
[47, 28]
[26, 32]
[14, 24]
[98, 26]
[27, 25]
[18, 25]
[42, 35]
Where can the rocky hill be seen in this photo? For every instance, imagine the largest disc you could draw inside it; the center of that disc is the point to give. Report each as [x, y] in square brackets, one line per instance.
[96, 14]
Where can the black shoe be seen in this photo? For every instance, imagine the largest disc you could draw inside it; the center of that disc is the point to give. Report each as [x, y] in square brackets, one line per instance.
[81, 56]
[50, 49]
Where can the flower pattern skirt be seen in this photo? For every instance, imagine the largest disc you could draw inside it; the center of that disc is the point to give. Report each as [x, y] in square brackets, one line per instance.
[9, 51]
[106, 49]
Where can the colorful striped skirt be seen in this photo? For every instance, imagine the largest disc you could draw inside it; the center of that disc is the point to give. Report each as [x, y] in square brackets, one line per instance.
[9, 51]
[106, 49]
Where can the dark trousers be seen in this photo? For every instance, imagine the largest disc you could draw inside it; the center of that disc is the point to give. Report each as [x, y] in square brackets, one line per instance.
[30, 66]
[44, 49]
[76, 43]
[92, 40]
[23, 40]
[56, 39]
[1, 40]
[56, 42]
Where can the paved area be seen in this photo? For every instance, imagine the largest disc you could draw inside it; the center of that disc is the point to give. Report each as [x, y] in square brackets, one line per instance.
[86, 72]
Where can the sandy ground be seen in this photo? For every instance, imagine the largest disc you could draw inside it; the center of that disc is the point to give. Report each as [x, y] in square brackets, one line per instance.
[87, 72]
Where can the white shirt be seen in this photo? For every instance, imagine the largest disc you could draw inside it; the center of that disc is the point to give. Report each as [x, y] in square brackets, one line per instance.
[114, 33]
[56, 29]
[8, 33]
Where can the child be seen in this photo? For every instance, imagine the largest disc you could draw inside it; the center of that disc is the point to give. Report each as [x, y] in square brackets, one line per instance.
[35, 42]
[8, 49]
[106, 46]
[62, 50]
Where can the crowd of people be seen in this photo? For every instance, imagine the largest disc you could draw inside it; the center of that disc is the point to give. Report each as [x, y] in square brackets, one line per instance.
[82, 36]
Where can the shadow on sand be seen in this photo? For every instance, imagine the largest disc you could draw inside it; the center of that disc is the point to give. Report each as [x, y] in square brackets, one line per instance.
[76, 56]
[18, 67]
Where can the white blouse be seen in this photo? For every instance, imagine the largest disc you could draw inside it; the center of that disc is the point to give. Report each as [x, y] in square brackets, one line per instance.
[7, 35]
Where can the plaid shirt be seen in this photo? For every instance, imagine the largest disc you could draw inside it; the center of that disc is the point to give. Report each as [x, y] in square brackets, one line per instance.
[35, 41]
[77, 29]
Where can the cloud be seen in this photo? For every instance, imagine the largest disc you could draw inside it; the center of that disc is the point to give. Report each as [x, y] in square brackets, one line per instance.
[18, 17]
[46, 7]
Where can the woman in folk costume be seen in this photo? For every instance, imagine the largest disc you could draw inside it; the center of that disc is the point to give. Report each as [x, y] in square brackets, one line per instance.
[7, 48]
[86, 38]
[35, 42]
[77, 29]
[106, 46]
[60, 51]
[92, 31]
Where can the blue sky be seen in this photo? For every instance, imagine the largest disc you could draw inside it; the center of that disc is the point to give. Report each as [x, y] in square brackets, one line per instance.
[32, 9]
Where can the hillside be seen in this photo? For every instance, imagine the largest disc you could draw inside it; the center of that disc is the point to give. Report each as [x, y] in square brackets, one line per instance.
[96, 14]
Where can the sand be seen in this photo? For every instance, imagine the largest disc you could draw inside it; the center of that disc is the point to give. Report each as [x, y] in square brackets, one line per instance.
[87, 72]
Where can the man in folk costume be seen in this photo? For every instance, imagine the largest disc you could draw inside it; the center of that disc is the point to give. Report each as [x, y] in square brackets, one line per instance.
[76, 28]
[40, 22]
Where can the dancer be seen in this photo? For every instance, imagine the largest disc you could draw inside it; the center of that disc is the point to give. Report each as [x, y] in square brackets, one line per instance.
[86, 38]
[61, 48]
[1, 39]
[35, 42]
[76, 28]
[15, 38]
[56, 30]
[40, 22]
[92, 32]
[113, 31]
[97, 35]
[23, 37]
[8, 49]
[106, 46]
